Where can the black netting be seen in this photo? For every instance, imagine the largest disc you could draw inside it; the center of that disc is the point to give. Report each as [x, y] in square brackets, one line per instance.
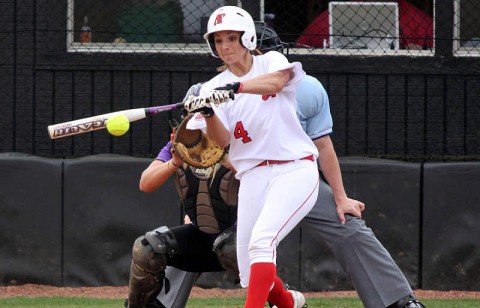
[139, 25]
[333, 27]
[354, 25]
[467, 28]
[402, 76]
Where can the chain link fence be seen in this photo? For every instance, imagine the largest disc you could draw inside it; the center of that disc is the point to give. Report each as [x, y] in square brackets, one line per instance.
[64, 60]
[466, 28]
[308, 26]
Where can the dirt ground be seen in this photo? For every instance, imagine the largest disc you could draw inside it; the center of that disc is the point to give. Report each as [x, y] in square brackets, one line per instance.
[33, 290]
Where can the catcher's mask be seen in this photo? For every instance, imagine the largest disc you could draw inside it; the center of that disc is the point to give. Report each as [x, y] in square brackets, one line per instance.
[195, 148]
[268, 39]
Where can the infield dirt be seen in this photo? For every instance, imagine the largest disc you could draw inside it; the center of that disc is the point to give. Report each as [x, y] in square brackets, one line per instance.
[34, 290]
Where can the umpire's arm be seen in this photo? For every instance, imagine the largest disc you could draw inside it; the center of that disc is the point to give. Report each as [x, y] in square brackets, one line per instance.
[327, 158]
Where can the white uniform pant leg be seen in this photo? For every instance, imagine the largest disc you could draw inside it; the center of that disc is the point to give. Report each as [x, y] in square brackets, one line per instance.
[250, 204]
[272, 201]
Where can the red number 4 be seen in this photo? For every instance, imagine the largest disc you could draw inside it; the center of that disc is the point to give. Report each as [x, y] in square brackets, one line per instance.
[241, 133]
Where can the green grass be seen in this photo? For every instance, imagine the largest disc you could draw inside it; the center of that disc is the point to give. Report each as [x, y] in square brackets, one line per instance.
[76, 302]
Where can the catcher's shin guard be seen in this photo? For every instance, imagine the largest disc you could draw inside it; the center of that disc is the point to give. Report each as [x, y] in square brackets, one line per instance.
[149, 261]
[143, 287]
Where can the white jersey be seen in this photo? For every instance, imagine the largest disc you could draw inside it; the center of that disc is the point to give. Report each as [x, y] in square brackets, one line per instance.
[262, 127]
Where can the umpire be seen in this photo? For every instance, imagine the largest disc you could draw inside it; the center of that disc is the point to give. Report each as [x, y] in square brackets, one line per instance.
[336, 218]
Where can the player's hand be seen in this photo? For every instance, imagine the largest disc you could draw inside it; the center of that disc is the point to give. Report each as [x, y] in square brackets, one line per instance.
[176, 160]
[349, 206]
[235, 86]
[172, 135]
[221, 96]
[199, 104]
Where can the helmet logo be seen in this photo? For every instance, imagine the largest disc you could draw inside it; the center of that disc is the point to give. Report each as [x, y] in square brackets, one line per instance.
[218, 19]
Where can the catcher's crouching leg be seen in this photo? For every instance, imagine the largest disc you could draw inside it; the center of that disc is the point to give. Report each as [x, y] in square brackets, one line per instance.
[147, 270]
[225, 248]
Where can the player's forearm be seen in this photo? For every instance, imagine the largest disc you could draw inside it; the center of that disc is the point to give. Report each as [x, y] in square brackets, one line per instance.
[268, 83]
[156, 175]
[331, 168]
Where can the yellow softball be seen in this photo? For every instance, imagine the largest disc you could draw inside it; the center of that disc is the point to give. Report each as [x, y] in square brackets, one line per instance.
[118, 125]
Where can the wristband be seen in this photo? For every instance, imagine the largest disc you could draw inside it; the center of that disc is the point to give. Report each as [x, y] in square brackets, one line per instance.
[239, 88]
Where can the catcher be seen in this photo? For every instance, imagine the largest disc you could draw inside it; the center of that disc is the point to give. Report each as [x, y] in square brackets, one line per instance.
[208, 191]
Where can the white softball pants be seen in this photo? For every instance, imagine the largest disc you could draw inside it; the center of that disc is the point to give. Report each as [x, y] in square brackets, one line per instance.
[272, 200]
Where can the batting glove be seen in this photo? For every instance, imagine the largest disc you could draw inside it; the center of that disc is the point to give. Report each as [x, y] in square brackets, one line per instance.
[235, 86]
[199, 104]
[221, 96]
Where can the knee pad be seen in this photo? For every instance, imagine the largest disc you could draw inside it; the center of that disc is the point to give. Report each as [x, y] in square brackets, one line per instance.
[225, 248]
[151, 251]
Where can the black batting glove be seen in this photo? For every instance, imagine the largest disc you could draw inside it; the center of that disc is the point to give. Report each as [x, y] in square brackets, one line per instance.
[235, 86]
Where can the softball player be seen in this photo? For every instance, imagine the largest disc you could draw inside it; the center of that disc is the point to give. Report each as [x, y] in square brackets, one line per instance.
[274, 158]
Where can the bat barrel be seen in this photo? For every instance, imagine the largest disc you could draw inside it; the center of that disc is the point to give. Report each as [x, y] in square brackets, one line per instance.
[77, 127]
[93, 123]
[90, 124]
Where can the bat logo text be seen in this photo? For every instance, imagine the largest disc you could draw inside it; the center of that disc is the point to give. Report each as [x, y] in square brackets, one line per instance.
[82, 127]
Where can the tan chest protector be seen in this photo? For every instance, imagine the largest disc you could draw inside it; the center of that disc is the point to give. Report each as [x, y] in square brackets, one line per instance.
[209, 196]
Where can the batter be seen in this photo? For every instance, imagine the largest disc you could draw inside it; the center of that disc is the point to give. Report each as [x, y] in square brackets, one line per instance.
[274, 158]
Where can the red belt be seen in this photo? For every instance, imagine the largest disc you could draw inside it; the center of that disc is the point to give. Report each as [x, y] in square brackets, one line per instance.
[279, 162]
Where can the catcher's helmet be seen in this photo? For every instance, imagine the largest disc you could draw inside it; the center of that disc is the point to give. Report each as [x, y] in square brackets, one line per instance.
[231, 18]
[267, 38]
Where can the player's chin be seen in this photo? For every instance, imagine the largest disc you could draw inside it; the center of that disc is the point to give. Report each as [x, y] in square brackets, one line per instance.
[228, 58]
